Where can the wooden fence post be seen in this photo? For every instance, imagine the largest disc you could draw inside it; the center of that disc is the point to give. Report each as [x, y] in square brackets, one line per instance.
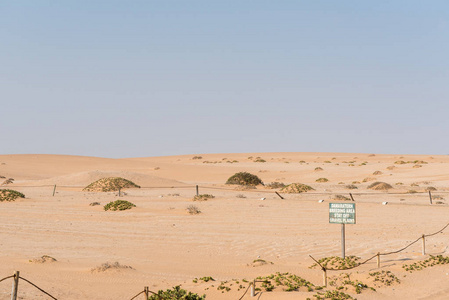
[253, 288]
[430, 197]
[351, 197]
[423, 244]
[197, 190]
[146, 291]
[15, 286]
[54, 190]
[378, 259]
[324, 277]
[279, 195]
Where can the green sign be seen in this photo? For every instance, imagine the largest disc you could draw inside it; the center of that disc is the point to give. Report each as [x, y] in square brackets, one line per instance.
[342, 213]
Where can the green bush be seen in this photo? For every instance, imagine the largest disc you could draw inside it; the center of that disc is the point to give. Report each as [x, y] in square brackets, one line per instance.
[176, 294]
[110, 184]
[119, 205]
[244, 178]
[10, 195]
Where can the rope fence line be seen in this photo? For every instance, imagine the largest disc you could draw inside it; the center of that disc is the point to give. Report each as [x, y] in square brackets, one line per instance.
[378, 255]
[26, 280]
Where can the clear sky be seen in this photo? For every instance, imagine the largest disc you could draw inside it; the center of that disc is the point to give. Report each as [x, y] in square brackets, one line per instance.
[150, 78]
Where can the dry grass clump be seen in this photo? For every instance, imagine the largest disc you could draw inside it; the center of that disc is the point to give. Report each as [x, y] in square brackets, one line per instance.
[318, 169]
[10, 195]
[356, 182]
[275, 185]
[341, 198]
[193, 209]
[368, 179]
[110, 184]
[431, 188]
[241, 196]
[351, 187]
[197, 157]
[390, 167]
[43, 259]
[8, 181]
[110, 266]
[400, 162]
[377, 173]
[296, 188]
[417, 166]
[322, 180]
[380, 186]
[244, 178]
[94, 203]
[203, 197]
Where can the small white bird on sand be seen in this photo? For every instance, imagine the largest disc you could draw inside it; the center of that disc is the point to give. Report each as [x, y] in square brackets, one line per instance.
[384, 203]
[320, 201]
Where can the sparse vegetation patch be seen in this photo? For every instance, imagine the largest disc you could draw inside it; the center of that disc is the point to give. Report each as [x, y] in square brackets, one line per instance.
[203, 197]
[322, 180]
[119, 205]
[336, 262]
[10, 195]
[244, 178]
[296, 188]
[110, 184]
[379, 186]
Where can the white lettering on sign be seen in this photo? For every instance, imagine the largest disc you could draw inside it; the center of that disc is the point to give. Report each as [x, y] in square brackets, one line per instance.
[342, 213]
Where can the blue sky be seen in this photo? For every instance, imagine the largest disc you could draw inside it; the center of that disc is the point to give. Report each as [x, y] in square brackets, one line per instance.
[150, 78]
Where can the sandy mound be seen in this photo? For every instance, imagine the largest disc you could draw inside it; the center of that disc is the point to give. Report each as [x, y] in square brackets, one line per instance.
[43, 259]
[106, 267]
[380, 186]
[110, 184]
[296, 188]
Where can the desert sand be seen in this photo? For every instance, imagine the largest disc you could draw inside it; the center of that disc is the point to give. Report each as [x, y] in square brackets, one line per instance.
[166, 246]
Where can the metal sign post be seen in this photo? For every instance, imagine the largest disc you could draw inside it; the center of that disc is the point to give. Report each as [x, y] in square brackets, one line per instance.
[342, 213]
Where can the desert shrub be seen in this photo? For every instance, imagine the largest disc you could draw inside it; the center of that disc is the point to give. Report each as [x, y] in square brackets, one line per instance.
[193, 210]
[356, 182]
[8, 181]
[110, 184]
[176, 294]
[336, 262]
[203, 197]
[380, 186]
[119, 205]
[400, 162]
[391, 168]
[322, 180]
[295, 188]
[342, 198]
[351, 187]
[258, 159]
[377, 173]
[94, 203]
[244, 178]
[197, 157]
[318, 169]
[241, 196]
[10, 195]
[417, 166]
[110, 266]
[411, 192]
[368, 179]
[275, 185]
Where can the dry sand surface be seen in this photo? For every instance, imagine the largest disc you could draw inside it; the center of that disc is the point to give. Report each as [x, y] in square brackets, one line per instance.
[166, 246]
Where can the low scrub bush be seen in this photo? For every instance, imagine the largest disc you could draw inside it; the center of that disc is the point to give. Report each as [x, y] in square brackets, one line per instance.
[322, 180]
[296, 188]
[119, 205]
[244, 178]
[177, 293]
[203, 197]
[10, 195]
[110, 184]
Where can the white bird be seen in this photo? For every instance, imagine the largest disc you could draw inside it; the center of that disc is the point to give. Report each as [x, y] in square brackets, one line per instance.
[384, 203]
[262, 198]
[320, 201]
